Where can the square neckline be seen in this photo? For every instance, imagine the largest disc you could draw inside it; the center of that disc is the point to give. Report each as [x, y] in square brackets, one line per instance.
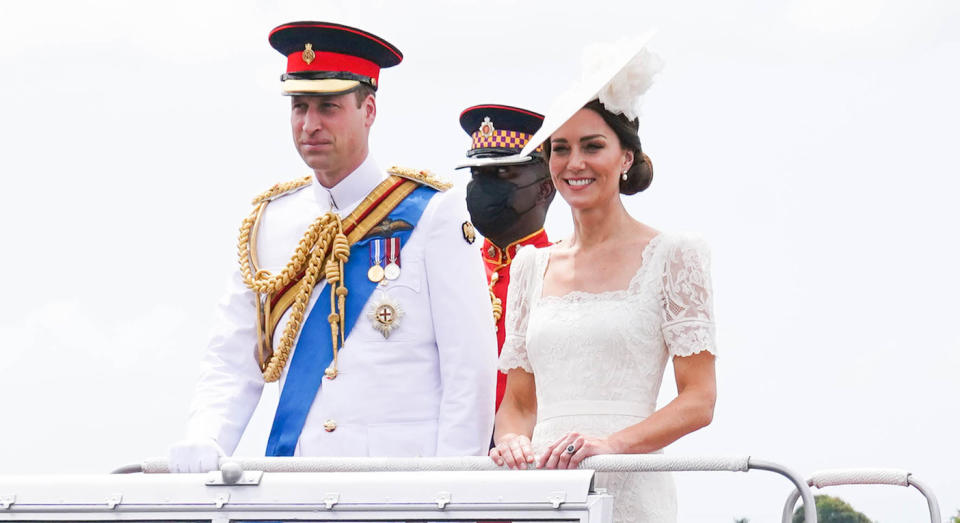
[574, 294]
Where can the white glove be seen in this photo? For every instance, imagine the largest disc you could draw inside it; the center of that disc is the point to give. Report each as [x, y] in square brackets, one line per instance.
[195, 455]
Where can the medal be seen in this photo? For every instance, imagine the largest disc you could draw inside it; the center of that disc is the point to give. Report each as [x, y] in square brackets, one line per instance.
[392, 270]
[385, 314]
[375, 273]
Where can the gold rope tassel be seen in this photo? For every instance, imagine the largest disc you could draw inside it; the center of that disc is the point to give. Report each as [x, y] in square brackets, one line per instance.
[495, 302]
[339, 254]
[497, 307]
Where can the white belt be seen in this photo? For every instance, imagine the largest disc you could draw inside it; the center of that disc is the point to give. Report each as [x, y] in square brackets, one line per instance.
[592, 408]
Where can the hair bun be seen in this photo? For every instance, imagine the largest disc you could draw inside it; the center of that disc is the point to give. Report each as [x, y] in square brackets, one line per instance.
[639, 176]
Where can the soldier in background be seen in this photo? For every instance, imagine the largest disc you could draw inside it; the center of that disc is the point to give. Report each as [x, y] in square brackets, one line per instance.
[507, 201]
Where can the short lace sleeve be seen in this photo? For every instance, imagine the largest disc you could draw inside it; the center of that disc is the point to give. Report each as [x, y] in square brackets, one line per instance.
[688, 326]
[522, 271]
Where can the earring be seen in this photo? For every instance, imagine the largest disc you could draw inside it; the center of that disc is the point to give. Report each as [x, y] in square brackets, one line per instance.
[623, 176]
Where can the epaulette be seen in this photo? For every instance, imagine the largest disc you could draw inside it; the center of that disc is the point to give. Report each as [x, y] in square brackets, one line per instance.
[281, 189]
[421, 176]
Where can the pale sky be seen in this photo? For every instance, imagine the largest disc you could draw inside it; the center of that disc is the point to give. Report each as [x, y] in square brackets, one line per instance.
[812, 143]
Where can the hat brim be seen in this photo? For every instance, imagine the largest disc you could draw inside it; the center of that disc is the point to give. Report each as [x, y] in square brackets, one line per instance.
[513, 159]
[293, 86]
[581, 93]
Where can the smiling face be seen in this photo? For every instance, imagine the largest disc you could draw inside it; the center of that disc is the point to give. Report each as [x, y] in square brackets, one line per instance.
[586, 160]
[331, 132]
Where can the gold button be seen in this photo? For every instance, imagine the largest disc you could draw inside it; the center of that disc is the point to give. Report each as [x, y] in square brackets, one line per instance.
[329, 425]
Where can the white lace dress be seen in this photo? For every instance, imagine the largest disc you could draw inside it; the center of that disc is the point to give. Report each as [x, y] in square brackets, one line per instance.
[598, 358]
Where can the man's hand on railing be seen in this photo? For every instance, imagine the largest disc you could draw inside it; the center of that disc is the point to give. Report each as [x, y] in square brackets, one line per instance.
[195, 455]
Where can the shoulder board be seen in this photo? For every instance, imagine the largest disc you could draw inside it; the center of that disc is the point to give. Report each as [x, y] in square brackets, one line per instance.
[281, 189]
[421, 176]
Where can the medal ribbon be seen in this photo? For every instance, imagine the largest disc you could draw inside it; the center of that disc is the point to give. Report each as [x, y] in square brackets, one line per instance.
[314, 350]
[376, 253]
[393, 250]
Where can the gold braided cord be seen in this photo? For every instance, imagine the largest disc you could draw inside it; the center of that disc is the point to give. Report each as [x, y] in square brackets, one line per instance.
[311, 252]
[324, 247]
[282, 188]
[497, 304]
[495, 301]
[328, 253]
[274, 367]
[264, 281]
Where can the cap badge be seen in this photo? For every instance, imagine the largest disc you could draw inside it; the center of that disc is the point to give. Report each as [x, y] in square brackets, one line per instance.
[469, 233]
[486, 127]
[308, 55]
[385, 315]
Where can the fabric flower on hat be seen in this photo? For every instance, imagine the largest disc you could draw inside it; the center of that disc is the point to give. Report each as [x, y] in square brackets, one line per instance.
[622, 94]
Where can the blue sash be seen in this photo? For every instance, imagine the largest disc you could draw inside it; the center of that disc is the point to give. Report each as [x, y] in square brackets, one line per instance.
[314, 350]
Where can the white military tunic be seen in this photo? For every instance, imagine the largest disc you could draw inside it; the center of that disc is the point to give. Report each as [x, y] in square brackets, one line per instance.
[426, 390]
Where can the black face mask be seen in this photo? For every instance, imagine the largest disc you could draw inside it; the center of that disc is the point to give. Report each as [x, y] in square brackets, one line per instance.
[490, 204]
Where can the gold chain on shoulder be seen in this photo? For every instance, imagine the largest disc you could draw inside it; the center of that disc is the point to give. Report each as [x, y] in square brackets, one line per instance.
[422, 176]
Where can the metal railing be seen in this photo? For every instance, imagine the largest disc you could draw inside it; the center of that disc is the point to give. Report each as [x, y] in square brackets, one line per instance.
[233, 469]
[835, 477]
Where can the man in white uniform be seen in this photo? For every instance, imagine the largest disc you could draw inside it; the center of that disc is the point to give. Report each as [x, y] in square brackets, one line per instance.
[356, 289]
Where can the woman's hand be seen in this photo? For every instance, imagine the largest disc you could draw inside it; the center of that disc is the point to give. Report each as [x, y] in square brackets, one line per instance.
[513, 450]
[559, 455]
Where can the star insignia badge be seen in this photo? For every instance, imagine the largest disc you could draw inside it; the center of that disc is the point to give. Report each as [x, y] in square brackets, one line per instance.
[385, 314]
[486, 127]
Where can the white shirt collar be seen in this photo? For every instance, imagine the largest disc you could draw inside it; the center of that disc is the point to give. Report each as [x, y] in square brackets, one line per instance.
[344, 196]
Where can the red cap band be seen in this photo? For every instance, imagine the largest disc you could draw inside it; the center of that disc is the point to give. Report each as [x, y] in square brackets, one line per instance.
[327, 61]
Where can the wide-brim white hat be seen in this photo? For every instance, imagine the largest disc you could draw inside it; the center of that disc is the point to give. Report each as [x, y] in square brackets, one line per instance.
[596, 79]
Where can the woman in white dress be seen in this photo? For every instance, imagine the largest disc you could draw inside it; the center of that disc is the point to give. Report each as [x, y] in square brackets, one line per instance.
[592, 320]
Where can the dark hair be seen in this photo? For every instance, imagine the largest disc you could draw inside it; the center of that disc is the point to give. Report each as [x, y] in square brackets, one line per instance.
[640, 173]
[362, 91]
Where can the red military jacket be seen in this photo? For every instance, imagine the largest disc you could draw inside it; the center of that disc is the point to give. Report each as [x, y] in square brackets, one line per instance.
[497, 262]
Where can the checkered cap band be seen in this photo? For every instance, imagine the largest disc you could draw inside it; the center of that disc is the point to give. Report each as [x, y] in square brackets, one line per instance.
[501, 139]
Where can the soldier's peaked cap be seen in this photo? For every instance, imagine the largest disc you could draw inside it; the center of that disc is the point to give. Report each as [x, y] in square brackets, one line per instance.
[328, 58]
[498, 130]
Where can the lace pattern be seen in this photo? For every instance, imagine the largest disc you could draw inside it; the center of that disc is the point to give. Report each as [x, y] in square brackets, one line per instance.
[688, 326]
[514, 352]
[611, 346]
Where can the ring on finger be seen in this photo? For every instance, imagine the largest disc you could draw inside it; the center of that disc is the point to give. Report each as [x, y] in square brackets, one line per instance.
[571, 449]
